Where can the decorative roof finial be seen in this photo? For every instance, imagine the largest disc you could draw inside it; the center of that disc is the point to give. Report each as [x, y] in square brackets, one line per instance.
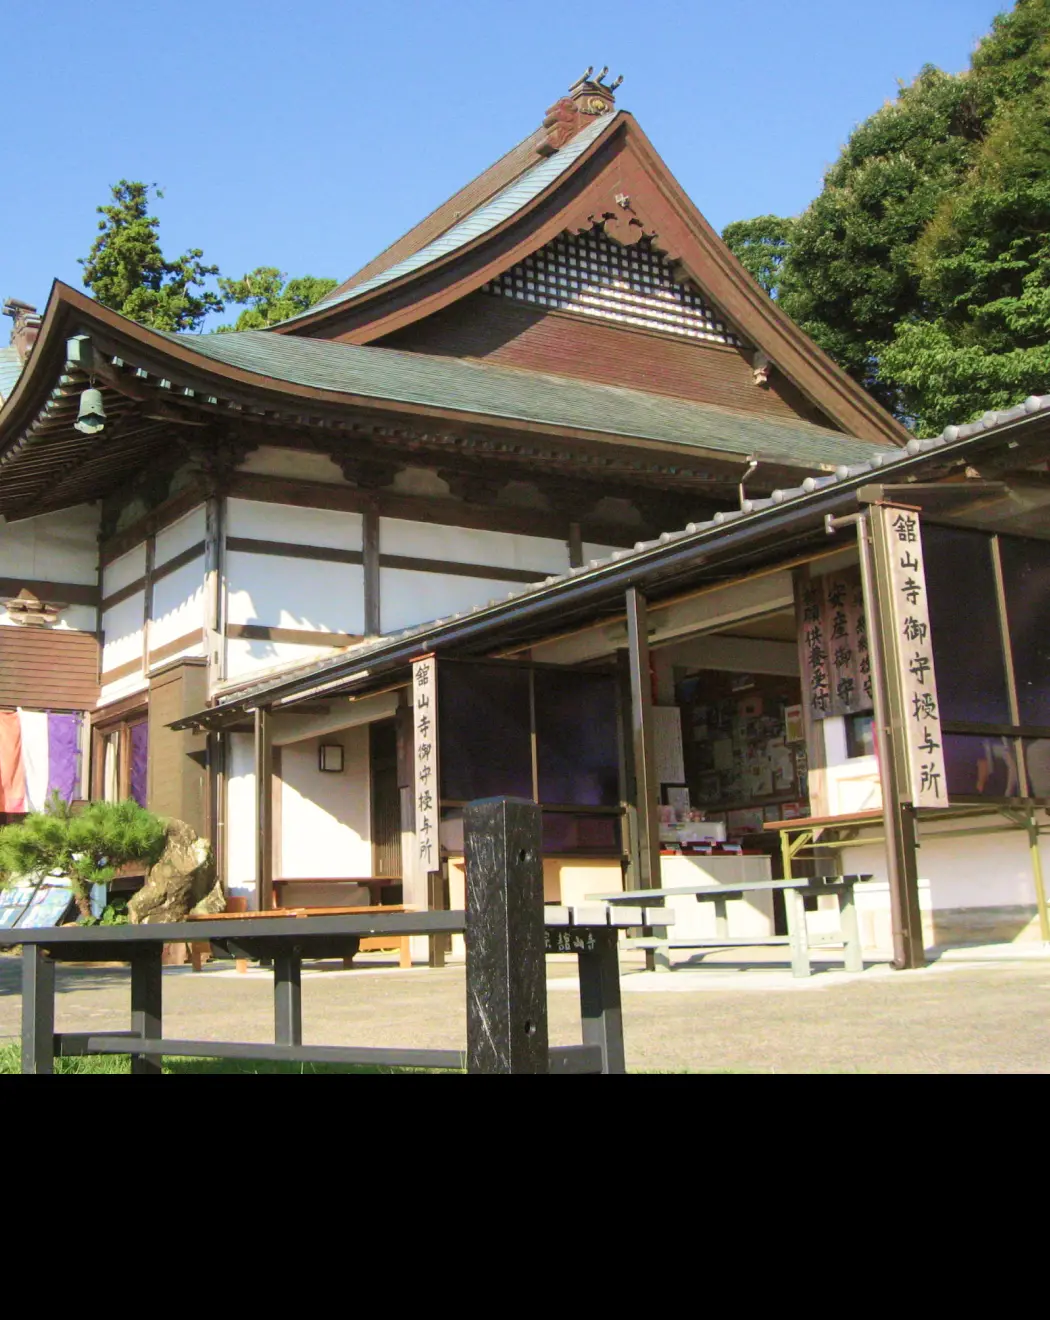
[587, 96]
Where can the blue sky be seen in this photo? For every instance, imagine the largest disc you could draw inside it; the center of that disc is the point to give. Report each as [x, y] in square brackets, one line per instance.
[309, 135]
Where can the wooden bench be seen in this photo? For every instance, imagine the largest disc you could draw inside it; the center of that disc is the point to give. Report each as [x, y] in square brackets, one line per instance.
[798, 940]
[375, 884]
[201, 949]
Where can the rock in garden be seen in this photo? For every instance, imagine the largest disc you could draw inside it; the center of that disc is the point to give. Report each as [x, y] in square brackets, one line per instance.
[183, 875]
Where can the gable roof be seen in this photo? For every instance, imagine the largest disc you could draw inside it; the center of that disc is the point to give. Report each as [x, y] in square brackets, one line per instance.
[506, 204]
[607, 173]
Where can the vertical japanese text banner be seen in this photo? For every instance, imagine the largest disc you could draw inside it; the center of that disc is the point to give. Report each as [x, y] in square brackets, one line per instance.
[899, 537]
[425, 778]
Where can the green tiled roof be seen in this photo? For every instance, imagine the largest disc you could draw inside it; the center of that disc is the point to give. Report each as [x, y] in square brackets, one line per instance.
[527, 396]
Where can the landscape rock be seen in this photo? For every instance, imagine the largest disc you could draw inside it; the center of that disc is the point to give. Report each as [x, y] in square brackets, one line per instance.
[178, 881]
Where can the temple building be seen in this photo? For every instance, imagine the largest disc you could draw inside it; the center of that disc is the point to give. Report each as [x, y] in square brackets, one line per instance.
[556, 456]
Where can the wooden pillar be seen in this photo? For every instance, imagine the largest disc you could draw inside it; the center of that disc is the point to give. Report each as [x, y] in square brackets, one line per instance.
[898, 814]
[370, 547]
[215, 516]
[264, 806]
[647, 790]
[147, 599]
[575, 546]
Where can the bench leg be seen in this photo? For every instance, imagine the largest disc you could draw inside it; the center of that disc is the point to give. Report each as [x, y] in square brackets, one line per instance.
[287, 999]
[798, 940]
[38, 1010]
[600, 1009]
[146, 1005]
[849, 926]
[405, 956]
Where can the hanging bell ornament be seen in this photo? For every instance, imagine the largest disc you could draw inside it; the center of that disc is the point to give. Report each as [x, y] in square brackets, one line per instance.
[92, 416]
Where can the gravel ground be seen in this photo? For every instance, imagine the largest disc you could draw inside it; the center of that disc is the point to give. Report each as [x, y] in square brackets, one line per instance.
[954, 1016]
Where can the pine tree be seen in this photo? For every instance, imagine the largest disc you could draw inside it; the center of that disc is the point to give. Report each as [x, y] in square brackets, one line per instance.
[86, 848]
[127, 271]
[268, 299]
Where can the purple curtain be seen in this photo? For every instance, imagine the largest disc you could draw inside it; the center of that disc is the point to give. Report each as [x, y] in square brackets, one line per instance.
[139, 761]
[63, 755]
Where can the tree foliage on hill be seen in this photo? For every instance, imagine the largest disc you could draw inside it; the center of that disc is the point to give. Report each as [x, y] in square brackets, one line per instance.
[268, 296]
[923, 267]
[127, 271]
[762, 245]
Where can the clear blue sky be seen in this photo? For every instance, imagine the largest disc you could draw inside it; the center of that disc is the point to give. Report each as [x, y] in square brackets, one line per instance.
[308, 134]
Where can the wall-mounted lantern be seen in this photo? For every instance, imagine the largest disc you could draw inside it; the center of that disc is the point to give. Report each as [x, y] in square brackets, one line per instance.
[330, 758]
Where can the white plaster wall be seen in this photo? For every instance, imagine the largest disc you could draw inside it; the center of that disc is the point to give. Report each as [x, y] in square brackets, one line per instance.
[128, 568]
[408, 597]
[55, 547]
[294, 593]
[325, 828]
[178, 605]
[123, 687]
[246, 657]
[469, 545]
[240, 816]
[300, 465]
[287, 522]
[171, 541]
[122, 627]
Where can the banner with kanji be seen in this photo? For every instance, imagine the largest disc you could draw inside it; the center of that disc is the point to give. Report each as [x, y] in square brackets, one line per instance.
[833, 645]
[915, 708]
[425, 778]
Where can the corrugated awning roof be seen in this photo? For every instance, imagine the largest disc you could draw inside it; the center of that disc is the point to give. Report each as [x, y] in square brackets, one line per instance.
[529, 397]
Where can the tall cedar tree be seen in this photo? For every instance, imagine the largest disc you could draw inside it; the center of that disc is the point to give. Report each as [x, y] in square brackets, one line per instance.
[268, 296]
[921, 267]
[127, 271]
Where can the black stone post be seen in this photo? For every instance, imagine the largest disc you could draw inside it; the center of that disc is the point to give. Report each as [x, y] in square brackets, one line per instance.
[506, 964]
[38, 1010]
[146, 1005]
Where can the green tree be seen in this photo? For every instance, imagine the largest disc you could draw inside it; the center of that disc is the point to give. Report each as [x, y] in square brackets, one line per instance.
[851, 276]
[268, 296]
[762, 245]
[127, 270]
[979, 337]
[85, 847]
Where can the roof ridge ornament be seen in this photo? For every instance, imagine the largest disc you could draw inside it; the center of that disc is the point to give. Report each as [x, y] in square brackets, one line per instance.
[587, 97]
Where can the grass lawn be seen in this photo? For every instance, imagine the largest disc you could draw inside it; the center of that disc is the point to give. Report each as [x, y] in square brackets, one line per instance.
[11, 1062]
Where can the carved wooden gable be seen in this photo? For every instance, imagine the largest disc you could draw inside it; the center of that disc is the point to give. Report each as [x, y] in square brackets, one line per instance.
[594, 275]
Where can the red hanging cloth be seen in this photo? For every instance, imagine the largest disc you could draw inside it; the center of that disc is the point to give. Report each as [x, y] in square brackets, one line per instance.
[12, 773]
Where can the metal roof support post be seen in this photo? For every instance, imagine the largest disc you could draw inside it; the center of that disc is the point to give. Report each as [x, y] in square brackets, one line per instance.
[898, 814]
[264, 806]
